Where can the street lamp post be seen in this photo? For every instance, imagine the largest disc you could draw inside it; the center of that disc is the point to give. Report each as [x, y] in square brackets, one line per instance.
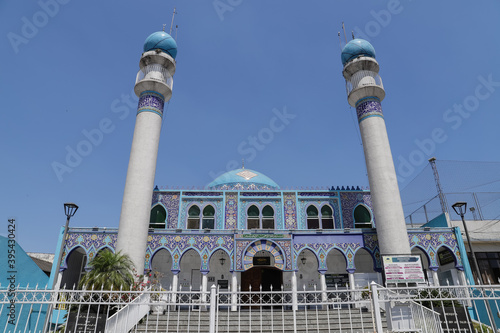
[70, 210]
[461, 208]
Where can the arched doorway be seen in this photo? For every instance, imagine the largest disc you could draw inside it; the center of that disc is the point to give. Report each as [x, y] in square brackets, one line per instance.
[263, 273]
[416, 251]
[76, 262]
[364, 274]
[336, 276]
[161, 264]
[447, 273]
[308, 277]
[190, 275]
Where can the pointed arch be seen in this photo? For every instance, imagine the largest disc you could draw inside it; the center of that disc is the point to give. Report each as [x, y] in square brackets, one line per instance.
[362, 216]
[158, 216]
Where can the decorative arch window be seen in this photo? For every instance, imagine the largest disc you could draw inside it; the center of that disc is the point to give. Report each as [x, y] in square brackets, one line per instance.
[194, 217]
[256, 220]
[208, 221]
[158, 217]
[253, 221]
[268, 217]
[315, 220]
[362, 217]
[197, 219]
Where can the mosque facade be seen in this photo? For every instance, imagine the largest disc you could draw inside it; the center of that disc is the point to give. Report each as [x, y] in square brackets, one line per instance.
[243, 231]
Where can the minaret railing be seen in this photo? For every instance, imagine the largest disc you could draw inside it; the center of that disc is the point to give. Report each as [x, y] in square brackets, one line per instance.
[155, 72]
[362, 79]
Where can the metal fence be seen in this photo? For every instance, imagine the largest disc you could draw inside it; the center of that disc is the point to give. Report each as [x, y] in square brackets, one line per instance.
[370, 309]
[481, 206]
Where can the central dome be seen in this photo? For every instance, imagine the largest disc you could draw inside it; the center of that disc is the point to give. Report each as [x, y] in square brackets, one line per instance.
[243, 179]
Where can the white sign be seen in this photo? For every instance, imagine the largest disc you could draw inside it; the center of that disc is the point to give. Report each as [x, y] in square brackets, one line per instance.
[403, 269]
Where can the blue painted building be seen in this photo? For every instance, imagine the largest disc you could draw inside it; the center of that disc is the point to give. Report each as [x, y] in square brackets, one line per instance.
[19, 272]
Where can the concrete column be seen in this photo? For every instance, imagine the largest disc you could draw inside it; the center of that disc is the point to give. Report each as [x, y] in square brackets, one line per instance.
[234, 291]
[350, 274]
[295, 306]
[387, 206]
[461, 276]
[434, 274]
[204, 288]
[174, 288]
[322, 282]
[136, 206]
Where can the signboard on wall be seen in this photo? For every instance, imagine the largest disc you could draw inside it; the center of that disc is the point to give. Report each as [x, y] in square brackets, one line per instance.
[336, 280]
[403, 269]
[261, 261]
[445, 257]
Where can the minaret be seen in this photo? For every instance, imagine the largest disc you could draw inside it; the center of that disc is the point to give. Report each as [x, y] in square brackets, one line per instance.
[366, 92]
[153, 87]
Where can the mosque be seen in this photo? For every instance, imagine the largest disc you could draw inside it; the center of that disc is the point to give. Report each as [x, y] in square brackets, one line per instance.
[243, 230]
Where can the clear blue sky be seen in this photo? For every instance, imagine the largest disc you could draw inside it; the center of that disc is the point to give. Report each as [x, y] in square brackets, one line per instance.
[235, 66]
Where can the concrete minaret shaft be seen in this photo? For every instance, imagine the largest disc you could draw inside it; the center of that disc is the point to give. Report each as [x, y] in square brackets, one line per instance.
[365, 93]
[153, 87]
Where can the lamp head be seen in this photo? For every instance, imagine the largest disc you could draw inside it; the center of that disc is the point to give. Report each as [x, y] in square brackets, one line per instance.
[70, 209]
[460, 208]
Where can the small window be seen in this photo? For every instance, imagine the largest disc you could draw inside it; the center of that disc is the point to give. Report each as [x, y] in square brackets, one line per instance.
[208, 217]
[268, 218]
[157, 217]
[312, 217]
[194, 217]
[327, 217]
[253, 217]
[362, 217]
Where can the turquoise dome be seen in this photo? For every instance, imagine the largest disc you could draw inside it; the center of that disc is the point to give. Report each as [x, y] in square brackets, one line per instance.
[357, 48]
[163, 41]
[243, 179]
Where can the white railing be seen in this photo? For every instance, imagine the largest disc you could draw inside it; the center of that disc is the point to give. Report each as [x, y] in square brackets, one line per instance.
[411, 309]
[155, 72]
[129, 315]
[363, 78]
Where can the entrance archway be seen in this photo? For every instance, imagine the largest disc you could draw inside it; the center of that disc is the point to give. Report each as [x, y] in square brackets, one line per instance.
[258, 276]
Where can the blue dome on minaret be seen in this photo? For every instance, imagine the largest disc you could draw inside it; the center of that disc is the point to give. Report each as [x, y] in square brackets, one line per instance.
[163, 41]
[357, 48]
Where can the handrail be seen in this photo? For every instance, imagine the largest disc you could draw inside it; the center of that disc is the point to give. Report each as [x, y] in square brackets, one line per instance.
[128, 316]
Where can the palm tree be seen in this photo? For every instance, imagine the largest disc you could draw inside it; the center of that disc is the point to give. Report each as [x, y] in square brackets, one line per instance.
[109, 271]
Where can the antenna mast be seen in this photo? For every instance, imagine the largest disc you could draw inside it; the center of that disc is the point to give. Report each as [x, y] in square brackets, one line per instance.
[345, 36]
[340, 42]
[172, 24]
[442, 198]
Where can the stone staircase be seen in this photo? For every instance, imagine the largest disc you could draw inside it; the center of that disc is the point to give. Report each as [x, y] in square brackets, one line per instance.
[269, 320]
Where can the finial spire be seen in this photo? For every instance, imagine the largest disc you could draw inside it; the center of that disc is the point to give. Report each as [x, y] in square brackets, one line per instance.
[164, 27]
[172, 24]
[243, 163]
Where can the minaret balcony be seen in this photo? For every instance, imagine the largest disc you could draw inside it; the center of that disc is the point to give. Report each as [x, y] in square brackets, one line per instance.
[157, 73]
[363, 84]
[155, 77]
